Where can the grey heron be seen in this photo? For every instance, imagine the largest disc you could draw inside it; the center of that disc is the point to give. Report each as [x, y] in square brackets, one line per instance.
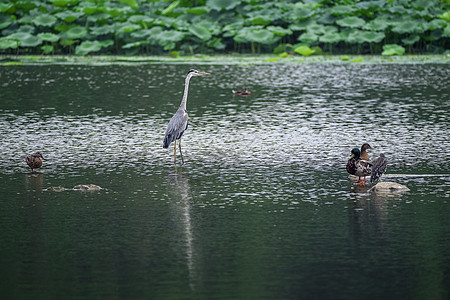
[179, 122]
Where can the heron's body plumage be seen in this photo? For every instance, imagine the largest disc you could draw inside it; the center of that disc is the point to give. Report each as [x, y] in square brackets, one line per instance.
[179, 122]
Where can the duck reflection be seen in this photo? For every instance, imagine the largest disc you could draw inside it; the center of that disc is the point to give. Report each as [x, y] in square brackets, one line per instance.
[182, 198]
[34, 181]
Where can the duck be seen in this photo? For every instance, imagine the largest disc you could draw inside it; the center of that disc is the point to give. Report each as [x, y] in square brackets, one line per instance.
[362, 168]
[364, 154]
[244, 92]
[34, 161]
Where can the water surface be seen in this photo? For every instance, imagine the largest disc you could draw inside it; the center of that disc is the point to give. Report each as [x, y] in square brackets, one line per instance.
[263, 207]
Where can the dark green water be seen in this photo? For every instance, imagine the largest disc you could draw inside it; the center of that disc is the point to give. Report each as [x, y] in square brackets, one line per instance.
[263, 207]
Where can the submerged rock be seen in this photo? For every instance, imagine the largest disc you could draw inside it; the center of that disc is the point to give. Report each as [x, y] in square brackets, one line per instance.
[56, 189]
[387, 186]
[87, 187]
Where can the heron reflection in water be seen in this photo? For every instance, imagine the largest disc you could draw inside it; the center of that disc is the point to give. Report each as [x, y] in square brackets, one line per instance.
[179, 122]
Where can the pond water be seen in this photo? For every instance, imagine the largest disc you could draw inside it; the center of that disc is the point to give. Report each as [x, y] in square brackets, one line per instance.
[262, 208]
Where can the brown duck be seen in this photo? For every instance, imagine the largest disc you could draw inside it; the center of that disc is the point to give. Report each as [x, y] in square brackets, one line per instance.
[34, 161]
[244, 92]
[364, 154]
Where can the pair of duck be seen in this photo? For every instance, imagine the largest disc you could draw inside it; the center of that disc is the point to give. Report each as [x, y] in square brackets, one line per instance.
[360, 165]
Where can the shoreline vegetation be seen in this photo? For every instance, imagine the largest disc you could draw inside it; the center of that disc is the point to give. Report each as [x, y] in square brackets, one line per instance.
[187, 27]
[240, 59]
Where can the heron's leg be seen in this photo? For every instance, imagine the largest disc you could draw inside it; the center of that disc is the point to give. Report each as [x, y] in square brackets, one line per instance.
[182, 160]
[175, 152]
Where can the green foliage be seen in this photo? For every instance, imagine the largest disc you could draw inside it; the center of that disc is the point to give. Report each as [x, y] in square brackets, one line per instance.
[186, 27]
[393, 49]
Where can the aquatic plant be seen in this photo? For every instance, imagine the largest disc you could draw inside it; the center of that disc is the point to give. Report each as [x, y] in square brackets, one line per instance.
[211, 26]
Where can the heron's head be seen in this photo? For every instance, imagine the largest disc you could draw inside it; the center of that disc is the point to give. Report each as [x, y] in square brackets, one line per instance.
[355, 153]
[193, 72]
[365, 146]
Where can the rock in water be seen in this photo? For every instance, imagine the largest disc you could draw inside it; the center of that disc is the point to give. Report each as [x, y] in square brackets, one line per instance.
[87, 187]
[387, 186]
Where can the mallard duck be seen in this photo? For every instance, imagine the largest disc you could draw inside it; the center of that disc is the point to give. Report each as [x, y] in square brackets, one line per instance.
[378, 167]
[244, 92]
[362, 168]
[364, 154]
[34, 161]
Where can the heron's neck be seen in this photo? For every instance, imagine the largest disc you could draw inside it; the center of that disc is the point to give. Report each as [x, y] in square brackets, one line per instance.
[186, 89]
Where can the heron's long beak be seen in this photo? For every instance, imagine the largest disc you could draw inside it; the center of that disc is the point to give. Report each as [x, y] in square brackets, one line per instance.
[203, 73]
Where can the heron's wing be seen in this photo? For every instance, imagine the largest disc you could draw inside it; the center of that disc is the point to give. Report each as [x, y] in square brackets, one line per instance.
[176, 127]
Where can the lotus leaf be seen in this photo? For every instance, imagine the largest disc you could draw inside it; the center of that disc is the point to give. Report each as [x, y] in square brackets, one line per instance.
[30, 41]
[169, 46]
[91, 10]
[372, 36]
[169, 36]
[26, 20]
[327, 19]
[47, 49]
[26, 28]
[368, 5]
[69, 16]
[106, 43]
[308, 37]
[352, 22]
[127, 27]
[330, 37]
[105, 29]
[7, 8]
[100, 19]
[340, 10]
[77, 32]
[115, 12]
[63, 27]
[301, 25]
[446, 31]
[140, 19]
[256, 35]
[303, 11]
[303, 50]
[423, 4]
[48, 37]
[222, 4]
[408, 26]
[131, 3]
[67, 42]
[5, 21]
[64, 3]
[317, 29]
[261, 20]
[132, 45]
[345, 58]
[435, 24]
[393, 49]
[378, 24]
[445, 16]
[199, 10]
[279, 30]
[354, 36]
[169, 9]
[44, 20]
[410, 40]
[88, 47]
[214, 43]
[200, 31]
[141, 34]
[7, 43]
